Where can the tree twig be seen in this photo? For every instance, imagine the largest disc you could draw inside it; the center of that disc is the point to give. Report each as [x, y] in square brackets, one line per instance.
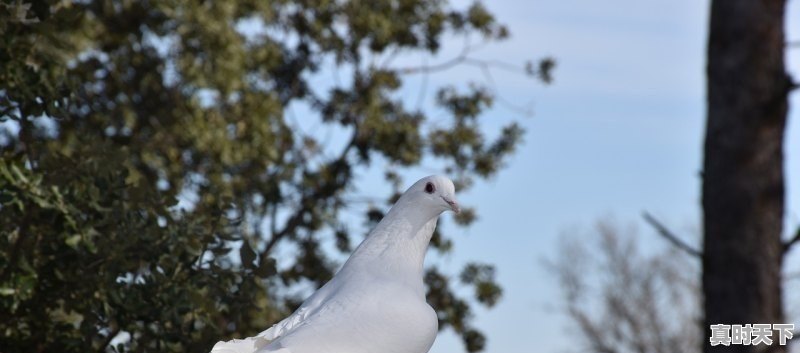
[788, 245]
[666, 233]
[435, 67]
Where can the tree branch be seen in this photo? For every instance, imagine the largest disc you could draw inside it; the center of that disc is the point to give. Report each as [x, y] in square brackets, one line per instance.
[788, 245]
[464, 58]
[296, 220]
[666, 233]
[435, 67]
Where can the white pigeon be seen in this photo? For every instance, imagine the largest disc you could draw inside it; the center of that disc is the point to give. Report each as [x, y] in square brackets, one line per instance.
[376, 302]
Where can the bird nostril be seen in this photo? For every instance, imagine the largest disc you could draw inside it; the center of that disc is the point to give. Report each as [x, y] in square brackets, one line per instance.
[453, 205]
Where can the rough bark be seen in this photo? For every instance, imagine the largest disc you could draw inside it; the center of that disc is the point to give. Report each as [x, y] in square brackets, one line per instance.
[743, 177]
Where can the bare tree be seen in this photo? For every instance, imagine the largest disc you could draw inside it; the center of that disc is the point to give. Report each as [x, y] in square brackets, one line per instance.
[626, 300]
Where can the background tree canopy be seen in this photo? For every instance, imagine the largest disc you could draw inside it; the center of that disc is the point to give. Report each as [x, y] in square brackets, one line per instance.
[151, 175]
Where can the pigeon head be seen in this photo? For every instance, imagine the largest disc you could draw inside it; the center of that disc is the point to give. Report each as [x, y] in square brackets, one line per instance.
[435, 192]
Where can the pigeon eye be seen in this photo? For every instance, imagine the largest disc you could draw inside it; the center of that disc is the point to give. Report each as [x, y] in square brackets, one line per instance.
[429, 188]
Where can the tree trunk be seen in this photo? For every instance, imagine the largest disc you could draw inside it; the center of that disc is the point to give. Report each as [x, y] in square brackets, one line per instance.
[743, 184]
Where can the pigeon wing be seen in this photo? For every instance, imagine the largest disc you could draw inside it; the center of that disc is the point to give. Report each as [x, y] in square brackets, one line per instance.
[298, 318]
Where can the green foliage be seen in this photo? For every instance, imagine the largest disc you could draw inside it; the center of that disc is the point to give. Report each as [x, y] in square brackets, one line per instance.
[481, 276]
[114, 111]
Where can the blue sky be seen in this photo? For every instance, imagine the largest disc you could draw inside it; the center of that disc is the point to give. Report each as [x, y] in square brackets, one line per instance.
[620, 131]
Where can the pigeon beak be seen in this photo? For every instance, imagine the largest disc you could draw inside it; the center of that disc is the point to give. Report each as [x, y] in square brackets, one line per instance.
[453, 205]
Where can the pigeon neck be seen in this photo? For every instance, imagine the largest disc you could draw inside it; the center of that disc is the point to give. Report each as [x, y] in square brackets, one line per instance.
[415, 215]
[401, 237]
